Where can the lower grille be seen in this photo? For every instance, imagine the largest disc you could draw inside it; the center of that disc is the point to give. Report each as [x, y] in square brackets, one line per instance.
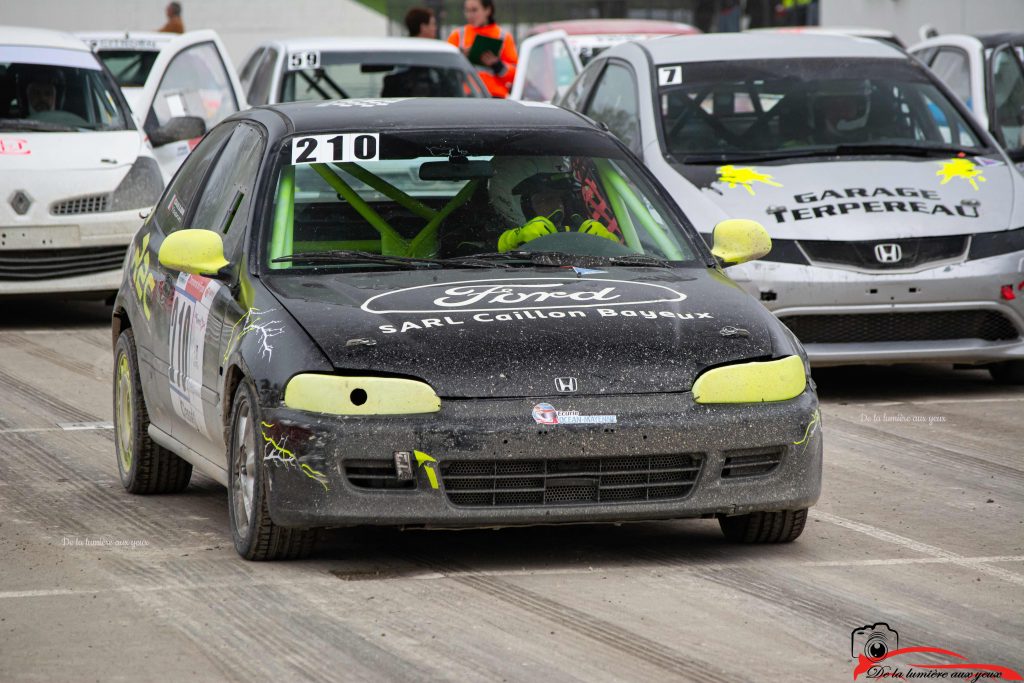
[751, 462]
[40, 264]
[492, 483]
[375, 474]
[96, 203]
[894, 327]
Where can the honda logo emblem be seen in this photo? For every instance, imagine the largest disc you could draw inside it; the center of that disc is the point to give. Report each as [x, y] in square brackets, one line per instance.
[888, 253]
[566, 385]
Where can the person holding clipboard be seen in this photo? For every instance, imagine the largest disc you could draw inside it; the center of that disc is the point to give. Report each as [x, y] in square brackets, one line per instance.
[486, 45]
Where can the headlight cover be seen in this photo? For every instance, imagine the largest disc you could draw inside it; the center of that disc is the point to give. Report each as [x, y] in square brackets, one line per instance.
[757, 382]
[986, 244]
[339, 395]
[140, 188]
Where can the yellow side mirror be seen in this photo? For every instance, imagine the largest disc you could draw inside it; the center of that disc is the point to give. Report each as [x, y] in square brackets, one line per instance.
[199, 252]
[739, 240]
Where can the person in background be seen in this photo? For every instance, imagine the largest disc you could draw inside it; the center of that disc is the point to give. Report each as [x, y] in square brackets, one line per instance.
[174, 23]
[421, 22]
[500, 69]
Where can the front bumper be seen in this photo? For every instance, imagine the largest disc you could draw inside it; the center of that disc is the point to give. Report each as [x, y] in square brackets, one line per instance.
[960, 290]
[73, 255]
[313, 486]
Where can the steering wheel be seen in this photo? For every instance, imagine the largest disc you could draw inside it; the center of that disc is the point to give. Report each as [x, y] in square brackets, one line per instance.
[579, 243]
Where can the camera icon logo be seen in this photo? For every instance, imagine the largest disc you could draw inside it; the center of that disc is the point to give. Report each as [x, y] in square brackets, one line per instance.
[874, 642]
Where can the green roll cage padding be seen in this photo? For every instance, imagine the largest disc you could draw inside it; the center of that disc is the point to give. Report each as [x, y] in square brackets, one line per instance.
[390, 240]
[284, 213]
[620, 194]
[429, 231]
[387, 189]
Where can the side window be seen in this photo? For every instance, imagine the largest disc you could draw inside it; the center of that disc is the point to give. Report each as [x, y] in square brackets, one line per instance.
[952, 68]
[224, 203]
[1008, 99]
[259, 91]
[170, 213]
[247, 72]
[614, 103]
[549, 72]
[578, 90]
[195, 84]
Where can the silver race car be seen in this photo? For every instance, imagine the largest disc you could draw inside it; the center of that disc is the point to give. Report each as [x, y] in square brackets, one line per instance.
[896, 233]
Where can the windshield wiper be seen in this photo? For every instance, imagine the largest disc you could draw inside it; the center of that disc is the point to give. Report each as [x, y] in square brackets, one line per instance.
[353, 256]
[33, 125]
[866, 148]
[561, 259]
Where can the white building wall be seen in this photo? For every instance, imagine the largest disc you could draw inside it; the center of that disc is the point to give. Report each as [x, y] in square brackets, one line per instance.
[242, 24]
[905, 17]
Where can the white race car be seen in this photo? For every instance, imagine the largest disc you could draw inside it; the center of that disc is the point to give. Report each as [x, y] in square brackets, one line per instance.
[178, 87]
[74, 168]
[985, 71]
[896, 220]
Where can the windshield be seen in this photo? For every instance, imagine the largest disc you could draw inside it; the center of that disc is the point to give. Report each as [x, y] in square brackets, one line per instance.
[51, 90]
[344, 75]
[477, 196]
[715, 111]
[130, 67]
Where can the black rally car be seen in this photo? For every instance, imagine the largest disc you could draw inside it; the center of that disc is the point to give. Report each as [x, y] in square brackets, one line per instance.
[450, 313]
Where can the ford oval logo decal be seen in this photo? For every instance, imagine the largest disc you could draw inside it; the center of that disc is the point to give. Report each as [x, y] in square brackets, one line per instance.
[516, 294]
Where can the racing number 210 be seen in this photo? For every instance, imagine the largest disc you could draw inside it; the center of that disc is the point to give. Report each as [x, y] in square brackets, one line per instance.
[342, 147]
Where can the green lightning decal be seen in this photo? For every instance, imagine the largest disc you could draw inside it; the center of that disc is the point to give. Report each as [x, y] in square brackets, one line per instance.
[277, 453]
[812, 427]
[427, 463]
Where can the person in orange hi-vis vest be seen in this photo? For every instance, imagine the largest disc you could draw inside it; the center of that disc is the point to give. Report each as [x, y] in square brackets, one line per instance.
[500, 68]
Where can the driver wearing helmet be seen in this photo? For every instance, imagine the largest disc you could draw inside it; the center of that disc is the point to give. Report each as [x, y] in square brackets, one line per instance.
[541, 188]
[841, 110]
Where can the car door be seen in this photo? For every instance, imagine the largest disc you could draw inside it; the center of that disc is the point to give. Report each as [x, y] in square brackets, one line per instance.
[261, 87]
[192, 77]
[196, 327]
[547, 66]
[154, 285]
[614, 102]
[1006, 100]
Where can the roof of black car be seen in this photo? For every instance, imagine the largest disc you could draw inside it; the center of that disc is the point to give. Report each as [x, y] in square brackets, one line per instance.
[424, 113]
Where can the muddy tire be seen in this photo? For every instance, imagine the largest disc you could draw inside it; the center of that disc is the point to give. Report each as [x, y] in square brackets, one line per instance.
[255, 536]
[144, 466]
[764, 527]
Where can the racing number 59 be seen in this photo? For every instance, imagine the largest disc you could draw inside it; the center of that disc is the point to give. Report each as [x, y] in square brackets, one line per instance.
[344, 147]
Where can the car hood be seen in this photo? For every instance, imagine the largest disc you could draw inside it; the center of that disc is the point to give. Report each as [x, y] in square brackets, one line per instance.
[863, 198]
[512, 333]
[56, 152]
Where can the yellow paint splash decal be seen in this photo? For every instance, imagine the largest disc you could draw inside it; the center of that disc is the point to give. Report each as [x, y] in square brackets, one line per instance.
[745, 176]
[278, 453]
[427, 463]
[812, 427]
[961, 168]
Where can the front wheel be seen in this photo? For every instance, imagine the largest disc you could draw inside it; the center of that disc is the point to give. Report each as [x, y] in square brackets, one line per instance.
[255, 535]
[144, 466]
[782, 526]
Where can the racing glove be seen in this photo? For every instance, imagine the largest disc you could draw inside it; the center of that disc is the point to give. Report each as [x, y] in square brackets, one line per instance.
[534, 228]
[592, 227]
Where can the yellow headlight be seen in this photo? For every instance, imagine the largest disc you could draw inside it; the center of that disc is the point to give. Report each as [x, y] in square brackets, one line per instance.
[360, 395]
[776, 380]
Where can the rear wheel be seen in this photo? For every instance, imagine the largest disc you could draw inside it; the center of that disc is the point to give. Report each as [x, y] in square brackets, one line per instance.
[1008, 372]
[255, 535]
[144, 466]
[781, 526]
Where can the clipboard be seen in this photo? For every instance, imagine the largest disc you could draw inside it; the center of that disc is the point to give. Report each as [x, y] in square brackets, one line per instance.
[482, 44]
